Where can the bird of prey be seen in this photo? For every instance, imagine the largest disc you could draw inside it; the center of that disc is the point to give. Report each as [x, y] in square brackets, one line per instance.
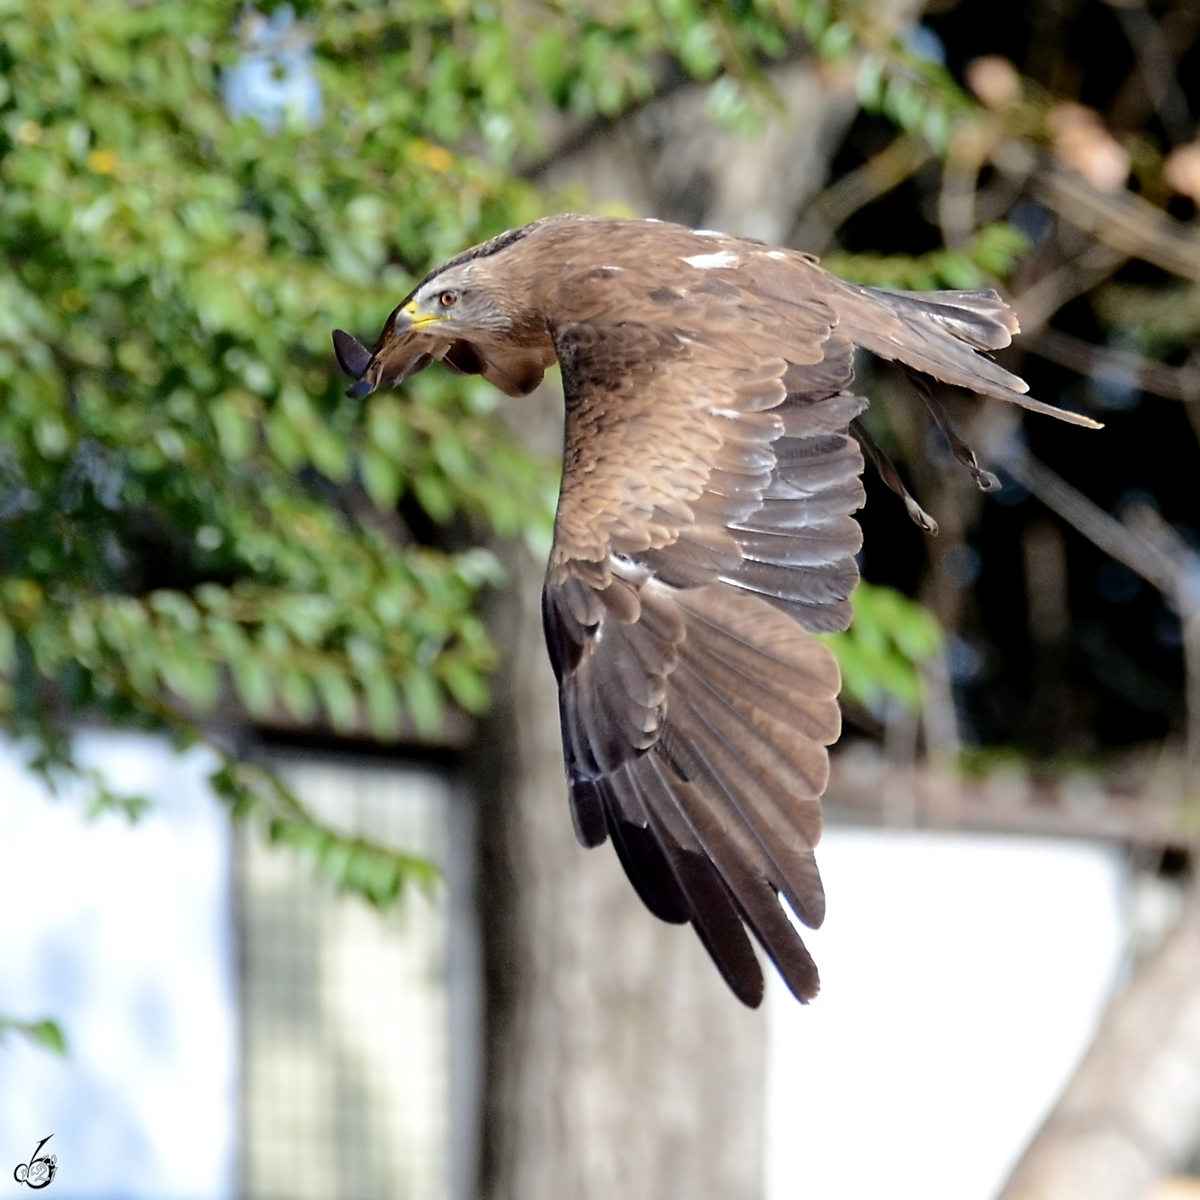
[703, 534]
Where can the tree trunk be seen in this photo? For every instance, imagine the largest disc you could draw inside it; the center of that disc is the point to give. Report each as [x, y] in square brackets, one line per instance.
[1131, 1114]
[672, 161]
[618, 1063]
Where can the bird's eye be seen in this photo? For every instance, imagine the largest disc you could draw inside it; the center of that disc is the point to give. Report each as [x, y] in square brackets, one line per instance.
[448, 299]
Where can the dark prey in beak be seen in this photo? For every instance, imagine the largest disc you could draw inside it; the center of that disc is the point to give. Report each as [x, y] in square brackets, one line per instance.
[354, 358]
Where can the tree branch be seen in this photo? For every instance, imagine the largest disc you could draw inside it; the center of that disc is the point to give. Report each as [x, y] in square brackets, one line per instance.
[1131, 1112]
[1120, 220]
[1116, 366]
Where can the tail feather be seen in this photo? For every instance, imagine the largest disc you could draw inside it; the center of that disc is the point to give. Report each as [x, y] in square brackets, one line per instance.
[943, 334]
[979, 316]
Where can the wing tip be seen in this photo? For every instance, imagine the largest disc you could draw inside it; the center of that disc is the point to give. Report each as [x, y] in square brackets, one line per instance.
[1069, 416]
[746, 983]
[587, 811]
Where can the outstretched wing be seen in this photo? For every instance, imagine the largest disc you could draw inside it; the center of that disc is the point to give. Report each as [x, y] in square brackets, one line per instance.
[703, 533]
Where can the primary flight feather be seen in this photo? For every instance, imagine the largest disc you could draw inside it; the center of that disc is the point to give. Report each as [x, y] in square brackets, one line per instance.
[704, 532]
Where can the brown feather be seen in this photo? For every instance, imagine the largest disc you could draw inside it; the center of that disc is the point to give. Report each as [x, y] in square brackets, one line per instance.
[704, 532]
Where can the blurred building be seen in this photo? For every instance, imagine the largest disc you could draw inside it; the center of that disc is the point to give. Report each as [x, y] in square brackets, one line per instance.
[237, 1028]
[359, 1028]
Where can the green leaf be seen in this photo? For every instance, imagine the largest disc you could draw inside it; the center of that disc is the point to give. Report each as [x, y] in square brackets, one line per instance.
[235, 415]
[252, 681]
[190, 676]
[869, 82]
[383, 708]
[44, 1033]
[296, 692]
[836, 42]
[885, 646]
[337, 695]
[467, 686]
[424, 701]
[381, 479]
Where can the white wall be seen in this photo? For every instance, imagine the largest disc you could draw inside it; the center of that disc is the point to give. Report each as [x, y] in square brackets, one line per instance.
[962, 979]
[121, 932]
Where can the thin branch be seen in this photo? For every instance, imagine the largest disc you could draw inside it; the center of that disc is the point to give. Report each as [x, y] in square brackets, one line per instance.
[1152, 529]
[1120, 220]
[1116, 366]
[1178, 28]
[1147, 546]
[1040, 301]
[1115, 539]
[1157, 66]
[957, 213]
[860, 187]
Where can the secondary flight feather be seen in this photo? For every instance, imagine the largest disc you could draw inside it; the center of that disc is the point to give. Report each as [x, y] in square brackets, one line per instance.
[704, 532]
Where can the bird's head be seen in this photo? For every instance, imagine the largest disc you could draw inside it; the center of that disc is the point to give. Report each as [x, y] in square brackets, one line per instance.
[456, 316]
[457, 301]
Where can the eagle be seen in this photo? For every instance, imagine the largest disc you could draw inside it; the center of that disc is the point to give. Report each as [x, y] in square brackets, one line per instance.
[704, 534]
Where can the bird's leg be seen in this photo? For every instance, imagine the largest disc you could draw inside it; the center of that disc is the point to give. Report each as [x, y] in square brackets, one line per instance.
[962, 452]
[890, 476]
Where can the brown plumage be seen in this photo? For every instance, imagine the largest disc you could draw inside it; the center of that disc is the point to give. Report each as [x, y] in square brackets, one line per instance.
[704, 532]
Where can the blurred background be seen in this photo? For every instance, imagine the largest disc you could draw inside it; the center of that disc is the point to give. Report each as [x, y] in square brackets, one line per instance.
[292, 906]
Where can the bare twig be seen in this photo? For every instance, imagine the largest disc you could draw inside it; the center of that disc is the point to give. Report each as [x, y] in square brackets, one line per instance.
[1040, 301]
[1116, 366]
[860, 187]
[1143, 521]
[1122, 221]
[1147, 546]
[1110, 535]
[1179, 27]
[960, 174]
[1157, 66]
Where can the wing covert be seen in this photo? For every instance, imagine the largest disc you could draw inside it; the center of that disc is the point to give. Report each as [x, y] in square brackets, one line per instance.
[703, 530]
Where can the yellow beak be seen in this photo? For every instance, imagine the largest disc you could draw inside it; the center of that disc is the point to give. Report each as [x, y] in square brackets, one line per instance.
[415, 319]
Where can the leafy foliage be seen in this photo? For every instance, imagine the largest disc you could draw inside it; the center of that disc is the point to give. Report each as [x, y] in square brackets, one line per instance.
[989, 256]
[880, 654]
[190, 507]
[376, 873]
[191, 512]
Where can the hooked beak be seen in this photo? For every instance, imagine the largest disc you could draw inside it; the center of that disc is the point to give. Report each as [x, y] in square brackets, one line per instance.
[410, 317]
